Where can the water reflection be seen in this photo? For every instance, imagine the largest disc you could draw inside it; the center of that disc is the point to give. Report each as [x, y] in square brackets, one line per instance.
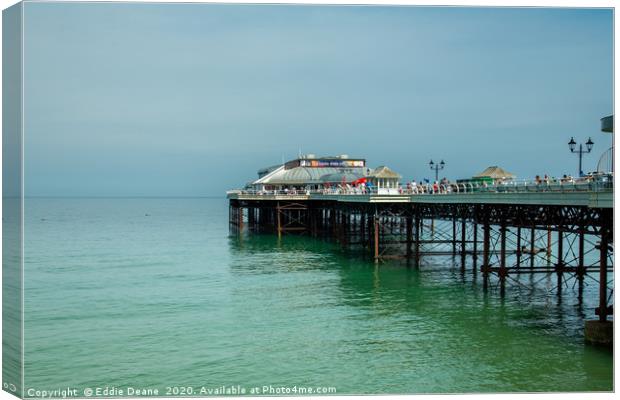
[396, 282]
[434, 317]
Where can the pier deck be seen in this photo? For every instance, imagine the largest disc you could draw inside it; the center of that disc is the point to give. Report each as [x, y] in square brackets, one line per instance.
[592, 199]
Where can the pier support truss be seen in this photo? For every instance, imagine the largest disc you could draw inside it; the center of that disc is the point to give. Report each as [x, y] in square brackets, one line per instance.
[499, 241]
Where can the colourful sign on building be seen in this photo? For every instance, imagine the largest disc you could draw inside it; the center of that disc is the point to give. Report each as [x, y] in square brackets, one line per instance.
[324, 163]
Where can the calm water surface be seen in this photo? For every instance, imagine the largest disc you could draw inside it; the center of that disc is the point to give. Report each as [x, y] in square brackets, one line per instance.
[154, 293]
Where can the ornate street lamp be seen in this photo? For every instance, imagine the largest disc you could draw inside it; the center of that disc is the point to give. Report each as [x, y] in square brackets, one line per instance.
[572, 144]
[437, 168]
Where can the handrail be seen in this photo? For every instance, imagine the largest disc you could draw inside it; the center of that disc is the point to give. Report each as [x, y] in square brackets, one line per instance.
[452, 189]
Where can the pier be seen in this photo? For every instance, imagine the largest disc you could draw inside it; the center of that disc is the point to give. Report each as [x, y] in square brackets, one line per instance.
[493, 224]
[563, 231]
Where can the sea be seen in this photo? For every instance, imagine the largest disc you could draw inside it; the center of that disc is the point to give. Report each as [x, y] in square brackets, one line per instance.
[129, 294]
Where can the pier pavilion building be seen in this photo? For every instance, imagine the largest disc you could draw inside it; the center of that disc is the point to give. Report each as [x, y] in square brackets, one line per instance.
[310, 173]
[385, 180]
[494, 174]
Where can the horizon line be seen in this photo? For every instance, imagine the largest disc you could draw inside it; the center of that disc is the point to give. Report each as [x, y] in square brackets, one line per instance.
[114, 197]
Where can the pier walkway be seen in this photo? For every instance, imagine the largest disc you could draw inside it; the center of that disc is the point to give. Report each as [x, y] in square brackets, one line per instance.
[589, 196]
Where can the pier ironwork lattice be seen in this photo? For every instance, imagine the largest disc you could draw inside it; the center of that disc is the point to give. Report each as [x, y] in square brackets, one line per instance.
[503, 241]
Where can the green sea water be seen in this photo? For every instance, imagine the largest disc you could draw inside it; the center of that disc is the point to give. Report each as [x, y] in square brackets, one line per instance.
[155, 294]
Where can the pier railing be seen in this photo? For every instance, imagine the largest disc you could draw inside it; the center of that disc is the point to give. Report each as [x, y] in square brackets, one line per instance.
[604, 183]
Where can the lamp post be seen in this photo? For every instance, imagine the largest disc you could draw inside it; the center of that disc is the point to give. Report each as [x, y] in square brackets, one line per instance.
[437, 168]
[572, 144]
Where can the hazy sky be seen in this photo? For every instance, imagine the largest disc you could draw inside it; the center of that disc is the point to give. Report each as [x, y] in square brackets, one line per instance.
[179, 99]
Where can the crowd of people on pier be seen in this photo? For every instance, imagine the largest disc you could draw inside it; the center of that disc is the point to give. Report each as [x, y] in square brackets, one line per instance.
[444, 186]
[565, 179]
[438, 187]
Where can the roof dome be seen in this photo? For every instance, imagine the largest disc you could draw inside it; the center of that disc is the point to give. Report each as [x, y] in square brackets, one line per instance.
[384, 172]
[340, 176]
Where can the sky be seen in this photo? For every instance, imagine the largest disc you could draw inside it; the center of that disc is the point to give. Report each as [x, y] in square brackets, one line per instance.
[192, 99]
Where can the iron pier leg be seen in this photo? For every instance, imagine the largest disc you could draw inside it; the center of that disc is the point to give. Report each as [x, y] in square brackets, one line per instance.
[251, 218]
[346, 220]
[314, 222]
[337, 225]
[240, 216]
[279, 220]
[363, 229]
[475, 250]
[602, 304]
[453, 234]
[341, 225]
[518, 246]
[376, 243]
[548, 243]
[418, 232]
[485, 252]
[371, 230]
[463, 252]
[560, 264]
[581, 269]
[503, 271]
[332, 221]
[409, 222]
[532, 246]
